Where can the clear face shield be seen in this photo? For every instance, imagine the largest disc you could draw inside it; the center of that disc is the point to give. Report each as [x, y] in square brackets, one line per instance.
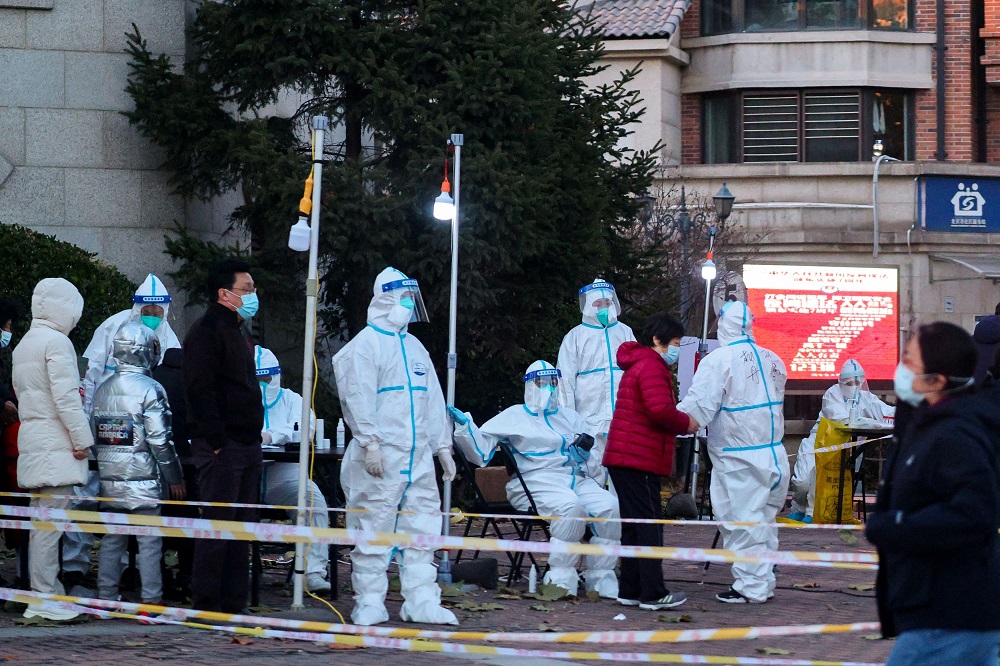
[852, 388]
[540, 389]
[600, 301]
[407, 295]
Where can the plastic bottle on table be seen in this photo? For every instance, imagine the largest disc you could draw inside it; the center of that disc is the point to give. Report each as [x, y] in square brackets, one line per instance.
[341, 434]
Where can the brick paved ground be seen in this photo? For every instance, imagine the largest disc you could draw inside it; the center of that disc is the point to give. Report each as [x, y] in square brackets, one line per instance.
[826, 598]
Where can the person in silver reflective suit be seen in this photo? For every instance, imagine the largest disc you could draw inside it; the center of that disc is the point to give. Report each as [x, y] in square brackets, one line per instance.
[135, 454]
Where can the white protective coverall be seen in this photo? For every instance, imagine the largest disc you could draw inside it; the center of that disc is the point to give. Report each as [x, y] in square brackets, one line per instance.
[838, 400]
[100, 368]
[590, 372]
[282, 410]
[393, 403]
[540, 432]
[738, 391]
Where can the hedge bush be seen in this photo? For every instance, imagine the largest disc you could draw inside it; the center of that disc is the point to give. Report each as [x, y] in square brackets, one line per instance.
[27, 256]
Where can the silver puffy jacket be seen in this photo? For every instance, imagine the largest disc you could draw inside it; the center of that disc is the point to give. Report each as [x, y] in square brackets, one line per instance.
[131, 424]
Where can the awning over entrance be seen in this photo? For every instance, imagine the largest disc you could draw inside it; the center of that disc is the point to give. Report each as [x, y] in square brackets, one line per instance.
[985, 266]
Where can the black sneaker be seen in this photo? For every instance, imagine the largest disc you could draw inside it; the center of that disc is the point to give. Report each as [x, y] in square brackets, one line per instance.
[671, 600]
[731, 596]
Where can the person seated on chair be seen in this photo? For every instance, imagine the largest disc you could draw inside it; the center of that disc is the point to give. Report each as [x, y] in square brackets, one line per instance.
[552, 457]
[849, 394]
[282, 412]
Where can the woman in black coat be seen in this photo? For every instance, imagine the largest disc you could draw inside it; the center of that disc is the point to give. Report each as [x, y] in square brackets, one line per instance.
[937, 512]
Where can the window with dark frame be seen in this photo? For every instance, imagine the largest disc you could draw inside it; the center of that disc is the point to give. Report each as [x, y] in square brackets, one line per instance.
[838, 125]
[727, 16]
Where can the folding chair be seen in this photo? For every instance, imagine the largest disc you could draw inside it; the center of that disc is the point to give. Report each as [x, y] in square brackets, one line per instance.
[490, 497]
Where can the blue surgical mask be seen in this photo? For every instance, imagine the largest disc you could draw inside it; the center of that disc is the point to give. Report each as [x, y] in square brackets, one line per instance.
[249, 307]
[151, 322]
[407, 303]
[672, 355]
[902, 384]
[5, 337]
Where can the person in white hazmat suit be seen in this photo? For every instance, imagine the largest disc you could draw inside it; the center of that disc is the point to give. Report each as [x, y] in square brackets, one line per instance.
[739, 391]
[150, 305]
[393, 403]
[542, 435]
[282, 411]
[589, 366]
[849, 395]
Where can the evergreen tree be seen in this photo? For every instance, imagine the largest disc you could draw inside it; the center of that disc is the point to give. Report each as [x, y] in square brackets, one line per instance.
[547, 191]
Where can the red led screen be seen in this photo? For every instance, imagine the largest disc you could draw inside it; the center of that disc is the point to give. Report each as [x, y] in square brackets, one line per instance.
[817, 317]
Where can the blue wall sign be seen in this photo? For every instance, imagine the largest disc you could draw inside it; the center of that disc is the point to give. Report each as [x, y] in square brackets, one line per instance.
[949, 203]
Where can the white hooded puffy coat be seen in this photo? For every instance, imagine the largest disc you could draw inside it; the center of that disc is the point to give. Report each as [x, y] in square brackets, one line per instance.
[47, 382]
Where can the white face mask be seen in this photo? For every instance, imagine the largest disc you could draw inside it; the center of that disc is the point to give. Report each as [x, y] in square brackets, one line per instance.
[400, 316]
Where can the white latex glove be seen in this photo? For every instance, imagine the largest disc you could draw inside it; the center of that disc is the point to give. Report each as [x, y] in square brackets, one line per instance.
[373, 463]
[447, 464]
[265, 438]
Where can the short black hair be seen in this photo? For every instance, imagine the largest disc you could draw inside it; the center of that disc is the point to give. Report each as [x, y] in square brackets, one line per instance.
[996, 310]
[8, 312]
[947, 349]
[222, 275]
[661, 326]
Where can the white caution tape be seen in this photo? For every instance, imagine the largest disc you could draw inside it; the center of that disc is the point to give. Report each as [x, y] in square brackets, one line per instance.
[123, 523]
[850, 445]
[463, 514]
[432, 646]
[606, 637]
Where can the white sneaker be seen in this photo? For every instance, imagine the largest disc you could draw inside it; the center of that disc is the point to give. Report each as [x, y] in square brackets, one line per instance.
[316, 583]
[54, 614]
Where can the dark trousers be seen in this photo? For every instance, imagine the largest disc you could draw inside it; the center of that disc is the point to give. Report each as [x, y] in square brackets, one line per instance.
[221, 570]
[639, 497]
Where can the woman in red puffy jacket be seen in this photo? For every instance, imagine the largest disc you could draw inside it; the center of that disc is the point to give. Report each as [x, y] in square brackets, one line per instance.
[641, 449]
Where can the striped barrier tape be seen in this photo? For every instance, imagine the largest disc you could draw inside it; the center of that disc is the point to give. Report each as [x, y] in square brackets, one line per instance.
[606, 637]
[850, 445]
[436, 646]
[462, 514]
[198, 528]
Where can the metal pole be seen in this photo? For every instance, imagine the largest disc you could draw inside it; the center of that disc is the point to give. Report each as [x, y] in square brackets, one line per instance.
[702, 351]
[320, 124]
[457, 140]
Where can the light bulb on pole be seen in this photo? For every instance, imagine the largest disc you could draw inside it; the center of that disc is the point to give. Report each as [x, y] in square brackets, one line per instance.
[708, 270]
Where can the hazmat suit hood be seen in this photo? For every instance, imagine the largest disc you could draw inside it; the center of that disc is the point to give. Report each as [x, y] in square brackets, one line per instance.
[150, 292]
[852, 380]
[387, 310]
[268, 367]
[541, 399]
[596, 291]
[57, 304]
[136, 347]
[735, 323]
[987, 340]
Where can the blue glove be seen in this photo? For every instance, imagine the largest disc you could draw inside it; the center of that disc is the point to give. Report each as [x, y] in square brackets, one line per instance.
[457, 416]
[578, 455]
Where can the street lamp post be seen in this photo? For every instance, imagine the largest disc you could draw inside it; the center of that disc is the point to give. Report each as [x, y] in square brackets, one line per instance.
[445, 211]
[297, 240]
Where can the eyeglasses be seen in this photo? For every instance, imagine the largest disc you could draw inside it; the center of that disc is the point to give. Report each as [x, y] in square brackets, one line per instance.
[241, 290]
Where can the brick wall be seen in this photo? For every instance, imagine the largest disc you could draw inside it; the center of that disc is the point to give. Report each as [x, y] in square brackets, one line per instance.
[960, 131]
[691, 24]
[993, 125]
[991, 33]
[690, 129]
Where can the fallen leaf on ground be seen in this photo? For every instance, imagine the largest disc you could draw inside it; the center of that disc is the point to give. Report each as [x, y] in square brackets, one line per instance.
[847, 536]
[508, 596]
[540, 607]
[474, 607]
[805, 586]
[545, 627]
[673, 619]
[338, 646]
[767, 650]
[503, 589]
[453, 590]
[593, 595]
[867, 587]
[136, 643]
[242, 640]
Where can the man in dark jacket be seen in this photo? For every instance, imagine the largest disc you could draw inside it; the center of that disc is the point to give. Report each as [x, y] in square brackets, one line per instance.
[225, 419]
